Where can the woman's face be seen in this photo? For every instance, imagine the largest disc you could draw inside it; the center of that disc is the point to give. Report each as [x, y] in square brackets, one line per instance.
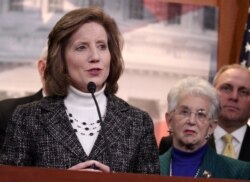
[190, 123]
[88, 57]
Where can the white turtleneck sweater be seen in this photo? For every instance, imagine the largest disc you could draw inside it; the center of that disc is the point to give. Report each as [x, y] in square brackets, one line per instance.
[82, 113]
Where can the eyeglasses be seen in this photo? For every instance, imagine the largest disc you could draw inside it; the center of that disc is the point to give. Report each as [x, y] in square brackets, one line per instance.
[184, 112]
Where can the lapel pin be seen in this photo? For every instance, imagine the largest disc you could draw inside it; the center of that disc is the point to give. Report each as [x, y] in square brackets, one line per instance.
[207, 174]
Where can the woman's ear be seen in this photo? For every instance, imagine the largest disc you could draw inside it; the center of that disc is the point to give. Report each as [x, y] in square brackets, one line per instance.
[41, 65]
[212, 125]
[168, 119]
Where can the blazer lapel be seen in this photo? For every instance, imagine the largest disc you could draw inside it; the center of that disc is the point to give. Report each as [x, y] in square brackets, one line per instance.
[245, 148]
[165, 160]
[112, 127]
[208, 164]
[211, 142]
[55, 121]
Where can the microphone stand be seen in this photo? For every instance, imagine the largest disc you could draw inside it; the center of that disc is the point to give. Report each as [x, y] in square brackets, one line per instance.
[92, 88]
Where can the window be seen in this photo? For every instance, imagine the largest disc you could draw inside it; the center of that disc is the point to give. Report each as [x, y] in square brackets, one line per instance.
[82, 3]
[210, 18]
[150, 106]
[98, 3]
[55, 6]
[174, 13]
[16, 5]
[136, 9]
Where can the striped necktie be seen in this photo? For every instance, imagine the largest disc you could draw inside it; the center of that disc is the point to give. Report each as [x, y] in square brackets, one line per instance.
[229, 149]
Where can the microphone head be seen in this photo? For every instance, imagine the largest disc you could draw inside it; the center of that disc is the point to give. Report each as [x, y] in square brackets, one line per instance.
[91, 87]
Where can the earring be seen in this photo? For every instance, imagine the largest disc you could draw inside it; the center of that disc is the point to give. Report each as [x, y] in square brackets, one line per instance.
[170, 131]
[208, 135]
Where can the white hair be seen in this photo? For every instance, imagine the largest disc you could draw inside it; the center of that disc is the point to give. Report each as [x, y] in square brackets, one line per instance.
[194, 86]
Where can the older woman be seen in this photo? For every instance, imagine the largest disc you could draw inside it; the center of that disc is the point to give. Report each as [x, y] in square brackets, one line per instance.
[192, 117]
[65, 129]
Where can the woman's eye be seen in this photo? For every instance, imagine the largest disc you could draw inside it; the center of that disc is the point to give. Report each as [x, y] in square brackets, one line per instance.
[80, 48]
[185, 112]
[102, 46]
[201, 115]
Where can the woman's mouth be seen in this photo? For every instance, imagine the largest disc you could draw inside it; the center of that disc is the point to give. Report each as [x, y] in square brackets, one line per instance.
[189, 132]
[94, 71]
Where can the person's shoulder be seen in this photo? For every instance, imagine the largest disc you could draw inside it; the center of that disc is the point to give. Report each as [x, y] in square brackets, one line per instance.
[233, 162]
[165, 157]
[13, 102]
[167, 138]
[165, 143]
[45, 102]
[35, 108]
[225, 167]
[9, 105]
[239, 169]
[166, 154]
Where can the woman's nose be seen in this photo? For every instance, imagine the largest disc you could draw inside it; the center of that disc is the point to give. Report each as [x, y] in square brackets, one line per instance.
[192, 118]
[94, 55]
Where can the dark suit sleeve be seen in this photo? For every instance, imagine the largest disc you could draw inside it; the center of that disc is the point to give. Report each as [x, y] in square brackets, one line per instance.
[8, 106]
[2, 129]
[15, 150]
[165, 144]
[148, 158]
[162, 146]
[245, 147]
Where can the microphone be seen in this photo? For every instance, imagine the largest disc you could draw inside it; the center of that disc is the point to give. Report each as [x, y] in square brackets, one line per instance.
[92, 88]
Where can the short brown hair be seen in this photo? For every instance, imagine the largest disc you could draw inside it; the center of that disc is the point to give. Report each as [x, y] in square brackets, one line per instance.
[227, 67]
[56, 73]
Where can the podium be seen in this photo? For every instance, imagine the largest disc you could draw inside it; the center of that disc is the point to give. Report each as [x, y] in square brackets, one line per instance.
[34, 174]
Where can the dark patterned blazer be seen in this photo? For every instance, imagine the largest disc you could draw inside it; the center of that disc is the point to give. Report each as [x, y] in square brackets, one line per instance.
[40, 134]
[8, 106]
[244, 155]
[213, 164]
